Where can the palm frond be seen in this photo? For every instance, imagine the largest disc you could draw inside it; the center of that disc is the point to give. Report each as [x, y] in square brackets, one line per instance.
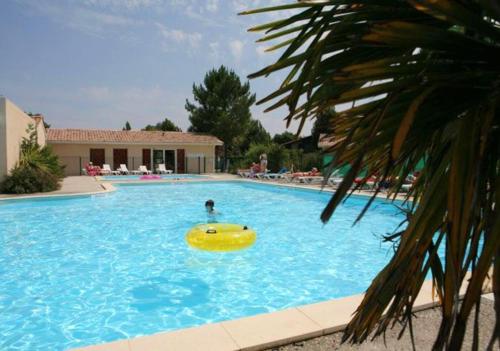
[423, 81]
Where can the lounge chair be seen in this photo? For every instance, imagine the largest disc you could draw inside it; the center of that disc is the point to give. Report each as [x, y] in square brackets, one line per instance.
[334, 182]
[408, 183]
[162, 170]
[106, 170]
[243, 173]
[369, 183]
[143, 170]
[311, 179]
[92, 170]
[273, 176]
[405, 188]
[261, 175]
[123, 169]
[301, 176]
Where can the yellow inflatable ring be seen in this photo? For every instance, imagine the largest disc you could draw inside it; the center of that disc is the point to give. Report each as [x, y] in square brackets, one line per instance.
[220, 237]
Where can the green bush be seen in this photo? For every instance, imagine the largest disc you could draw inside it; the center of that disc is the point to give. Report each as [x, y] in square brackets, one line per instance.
[294, 162]
[310, 160]
[237, 163]
[38, 169]
[25, 179]
[277, 156]
[43, 159]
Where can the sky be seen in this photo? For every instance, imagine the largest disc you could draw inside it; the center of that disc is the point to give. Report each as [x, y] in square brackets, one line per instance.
[100, 63]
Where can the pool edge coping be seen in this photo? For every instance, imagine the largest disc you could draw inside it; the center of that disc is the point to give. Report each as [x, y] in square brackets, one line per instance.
[267, 330]
[107, 187]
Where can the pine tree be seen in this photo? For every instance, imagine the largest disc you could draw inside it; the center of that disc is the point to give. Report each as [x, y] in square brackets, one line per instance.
[221, 107]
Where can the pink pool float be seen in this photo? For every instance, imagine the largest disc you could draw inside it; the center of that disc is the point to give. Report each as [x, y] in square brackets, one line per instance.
[150, 177]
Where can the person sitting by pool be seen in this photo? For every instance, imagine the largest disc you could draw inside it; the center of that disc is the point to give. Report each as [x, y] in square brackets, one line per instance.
[254, 169]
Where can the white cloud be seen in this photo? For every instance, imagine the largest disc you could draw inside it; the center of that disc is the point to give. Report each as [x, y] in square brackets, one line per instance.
[199, 13]
[127, 4]
[242, 5]
[237, 47]
[261, 50]
[178, 36]
[212, 5]
[83, 19]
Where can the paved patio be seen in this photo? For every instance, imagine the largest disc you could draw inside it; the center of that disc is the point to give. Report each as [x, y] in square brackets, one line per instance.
[425, 325]
[69, 186]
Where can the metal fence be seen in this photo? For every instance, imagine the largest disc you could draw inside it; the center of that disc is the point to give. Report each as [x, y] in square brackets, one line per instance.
[75, 165]
[200, 165]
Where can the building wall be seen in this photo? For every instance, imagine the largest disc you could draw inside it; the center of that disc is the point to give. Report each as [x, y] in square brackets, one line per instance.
[41, 134]
[3, 139]
[76, 156]
[13, 125]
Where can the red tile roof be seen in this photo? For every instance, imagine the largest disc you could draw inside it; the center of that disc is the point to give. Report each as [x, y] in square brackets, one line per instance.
[86, 136]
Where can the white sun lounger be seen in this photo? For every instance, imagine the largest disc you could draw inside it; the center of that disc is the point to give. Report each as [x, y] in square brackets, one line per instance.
[311, 179]
[335, 181]
[106, 170]
[123, 169]
[162, 170]
[406, 188]
[243, 173]
[274, 176]
[143, 170]
[282, 174]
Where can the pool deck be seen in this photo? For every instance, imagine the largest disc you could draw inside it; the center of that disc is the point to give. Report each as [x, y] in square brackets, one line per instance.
[69, 186]
[85, 185]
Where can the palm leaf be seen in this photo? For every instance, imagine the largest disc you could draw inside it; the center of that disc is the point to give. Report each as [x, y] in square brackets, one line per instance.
[423, 79]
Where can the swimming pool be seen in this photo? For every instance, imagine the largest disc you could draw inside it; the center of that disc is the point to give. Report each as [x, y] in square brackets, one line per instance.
[163, 176]
[88, 270]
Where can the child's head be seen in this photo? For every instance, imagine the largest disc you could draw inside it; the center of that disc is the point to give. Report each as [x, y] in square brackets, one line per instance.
[209, 205]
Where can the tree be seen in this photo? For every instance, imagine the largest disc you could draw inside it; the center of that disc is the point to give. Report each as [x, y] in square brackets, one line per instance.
[255, 134]
[166, 125]
[277, 155]
[322, 124]
[421, 78]
[221, 107]
[127, 126]
[284, 137]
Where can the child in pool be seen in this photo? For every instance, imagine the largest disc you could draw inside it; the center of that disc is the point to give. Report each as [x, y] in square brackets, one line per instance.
[211, 212]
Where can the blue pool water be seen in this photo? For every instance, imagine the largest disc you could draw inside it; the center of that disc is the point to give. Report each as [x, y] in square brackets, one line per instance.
[163, 176]
[88, 270]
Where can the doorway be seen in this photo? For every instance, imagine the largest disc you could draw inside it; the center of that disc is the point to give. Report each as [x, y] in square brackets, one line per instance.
[165, 156]
[120, 156]
[146, 158]
[170, 160]
[181, 165]
[97, 157]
